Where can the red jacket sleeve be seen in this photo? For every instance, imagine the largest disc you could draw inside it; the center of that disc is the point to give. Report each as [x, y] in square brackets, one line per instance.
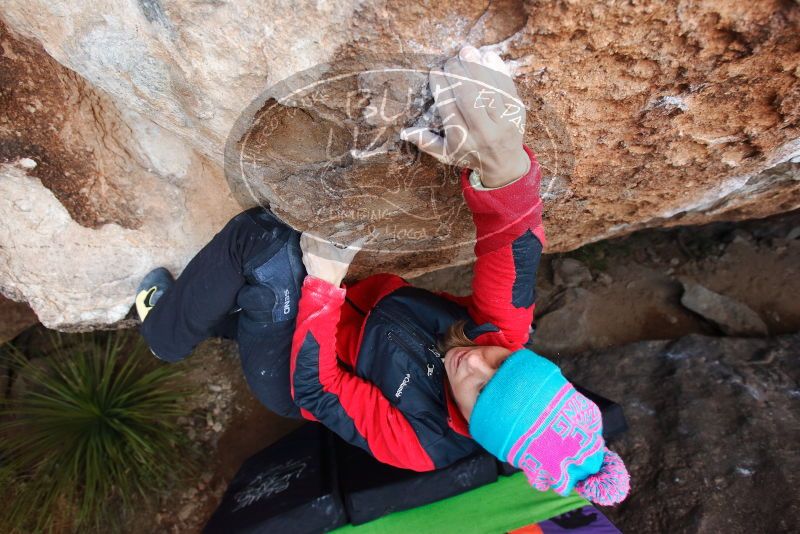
[349, 405]
[509, 242]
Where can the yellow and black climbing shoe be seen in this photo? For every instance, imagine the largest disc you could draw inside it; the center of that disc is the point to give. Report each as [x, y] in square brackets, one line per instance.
[152, 287]
[144, 302]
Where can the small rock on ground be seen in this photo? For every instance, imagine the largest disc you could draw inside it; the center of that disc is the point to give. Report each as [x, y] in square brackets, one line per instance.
[733, 317]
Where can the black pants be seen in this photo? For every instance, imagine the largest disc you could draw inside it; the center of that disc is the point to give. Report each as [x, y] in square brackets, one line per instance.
[244, 285]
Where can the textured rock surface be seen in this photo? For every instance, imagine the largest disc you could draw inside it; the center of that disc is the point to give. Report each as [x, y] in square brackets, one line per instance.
[642, 114]
[712, 426]
[91, 197]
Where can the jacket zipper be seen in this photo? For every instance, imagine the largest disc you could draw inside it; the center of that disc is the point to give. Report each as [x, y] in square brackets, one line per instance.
[402, 343]
[399, 341]
[430, 345]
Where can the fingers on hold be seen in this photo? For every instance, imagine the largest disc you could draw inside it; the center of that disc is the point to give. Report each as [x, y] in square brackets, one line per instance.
[459, 85]
[495, 62]
[442, 91]
[509, 102]
[358, 245]
[477, 81]
[426, 140]
[453, 64]
[489, 96]
[467, 98]
[469, 53]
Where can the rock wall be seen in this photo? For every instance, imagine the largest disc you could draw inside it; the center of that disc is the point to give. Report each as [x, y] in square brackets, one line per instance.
[116, 116]
[92, 195]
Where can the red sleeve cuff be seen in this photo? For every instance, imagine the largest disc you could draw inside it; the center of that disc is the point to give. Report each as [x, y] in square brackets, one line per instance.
[322, 288]
[503, 214]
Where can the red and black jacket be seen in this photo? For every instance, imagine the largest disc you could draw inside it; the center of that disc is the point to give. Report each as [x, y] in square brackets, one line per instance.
[364, 359]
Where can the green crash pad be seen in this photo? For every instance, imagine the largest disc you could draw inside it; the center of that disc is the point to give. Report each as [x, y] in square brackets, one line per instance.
[498, 507]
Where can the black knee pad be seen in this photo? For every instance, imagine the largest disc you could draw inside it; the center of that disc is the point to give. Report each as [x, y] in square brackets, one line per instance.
[269, 305]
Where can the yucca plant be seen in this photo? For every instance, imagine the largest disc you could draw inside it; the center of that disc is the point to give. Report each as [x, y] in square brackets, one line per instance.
[93, 434]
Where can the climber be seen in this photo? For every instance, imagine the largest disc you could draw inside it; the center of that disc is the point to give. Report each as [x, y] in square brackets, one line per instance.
[418, 379]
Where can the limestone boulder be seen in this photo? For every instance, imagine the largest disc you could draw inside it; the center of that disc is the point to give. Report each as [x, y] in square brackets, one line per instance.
[92, 196]
[130, 131]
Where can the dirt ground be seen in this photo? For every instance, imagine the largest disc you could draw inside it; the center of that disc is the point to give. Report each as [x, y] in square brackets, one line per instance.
[714, 426]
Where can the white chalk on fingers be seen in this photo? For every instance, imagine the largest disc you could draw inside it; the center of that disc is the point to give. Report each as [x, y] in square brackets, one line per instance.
[407, 133]
[494, 62]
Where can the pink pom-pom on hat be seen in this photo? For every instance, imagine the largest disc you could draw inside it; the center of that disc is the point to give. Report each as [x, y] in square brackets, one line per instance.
[608, 486]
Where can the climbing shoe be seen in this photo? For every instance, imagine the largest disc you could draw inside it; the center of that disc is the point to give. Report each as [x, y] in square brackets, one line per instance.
[152, 287]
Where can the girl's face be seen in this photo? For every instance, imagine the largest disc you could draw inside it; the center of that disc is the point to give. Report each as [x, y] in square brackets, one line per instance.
[469, 369]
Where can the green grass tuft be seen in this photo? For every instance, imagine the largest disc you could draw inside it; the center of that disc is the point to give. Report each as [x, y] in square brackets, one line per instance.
[92, 436]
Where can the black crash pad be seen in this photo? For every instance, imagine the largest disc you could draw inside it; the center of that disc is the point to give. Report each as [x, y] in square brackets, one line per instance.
[614, 423]
[371, 489]
[289, 486]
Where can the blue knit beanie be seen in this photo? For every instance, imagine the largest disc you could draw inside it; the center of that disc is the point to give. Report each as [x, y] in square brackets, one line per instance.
[529, 415]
